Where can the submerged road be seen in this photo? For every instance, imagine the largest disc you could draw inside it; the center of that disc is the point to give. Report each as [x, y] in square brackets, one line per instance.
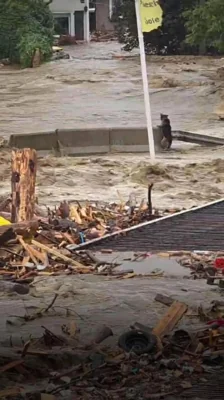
[101, 86]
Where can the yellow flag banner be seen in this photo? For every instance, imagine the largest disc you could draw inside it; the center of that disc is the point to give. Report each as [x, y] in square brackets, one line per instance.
[151, 15]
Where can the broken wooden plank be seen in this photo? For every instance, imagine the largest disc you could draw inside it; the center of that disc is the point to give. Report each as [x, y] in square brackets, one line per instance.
[27, 248]
[74, 215]
[57, 254]
[39, 256]
[170, 319]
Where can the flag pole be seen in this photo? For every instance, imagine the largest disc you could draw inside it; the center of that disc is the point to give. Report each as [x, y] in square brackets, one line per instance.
[145, 83]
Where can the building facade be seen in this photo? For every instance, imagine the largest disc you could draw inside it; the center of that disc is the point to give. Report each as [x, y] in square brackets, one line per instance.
[72, 18]
[80, 17]
[104, 11]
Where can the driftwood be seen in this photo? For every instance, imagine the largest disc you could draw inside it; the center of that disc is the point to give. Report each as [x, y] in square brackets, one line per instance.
[170, 319]
[24, 167]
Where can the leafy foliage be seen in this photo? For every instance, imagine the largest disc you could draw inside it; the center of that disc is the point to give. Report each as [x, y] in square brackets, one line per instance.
[169, 39]
[206, 23]
[24, 26]
[29, 43]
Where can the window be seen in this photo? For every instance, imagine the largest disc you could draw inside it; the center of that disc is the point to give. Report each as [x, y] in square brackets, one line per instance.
[61, 25]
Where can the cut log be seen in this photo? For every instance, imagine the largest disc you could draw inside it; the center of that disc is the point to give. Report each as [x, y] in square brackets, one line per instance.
[170, 319]
[24, 167]
[36, 60]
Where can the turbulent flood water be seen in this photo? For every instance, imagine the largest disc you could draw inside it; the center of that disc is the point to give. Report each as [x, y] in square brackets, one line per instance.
[101, 85]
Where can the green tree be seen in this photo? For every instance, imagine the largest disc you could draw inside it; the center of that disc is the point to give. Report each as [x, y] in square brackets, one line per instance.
[170, 37]
[205, 23]
[25, 25]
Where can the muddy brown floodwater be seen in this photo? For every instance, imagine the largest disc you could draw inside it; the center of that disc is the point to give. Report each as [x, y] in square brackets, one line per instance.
[101, 85]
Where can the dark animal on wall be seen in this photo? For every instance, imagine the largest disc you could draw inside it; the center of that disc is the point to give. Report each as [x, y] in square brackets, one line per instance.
[167, 132]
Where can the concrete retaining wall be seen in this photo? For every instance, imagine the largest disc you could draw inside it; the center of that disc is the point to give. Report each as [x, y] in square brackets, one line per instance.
[84, 141]
[132, 140]
[38, 141]
[87, 141]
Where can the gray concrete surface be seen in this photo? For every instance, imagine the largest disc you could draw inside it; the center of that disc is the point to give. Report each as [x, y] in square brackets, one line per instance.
[92, 301]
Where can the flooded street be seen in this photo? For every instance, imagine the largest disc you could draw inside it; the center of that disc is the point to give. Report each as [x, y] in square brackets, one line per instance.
[182, 178]
[101, 86]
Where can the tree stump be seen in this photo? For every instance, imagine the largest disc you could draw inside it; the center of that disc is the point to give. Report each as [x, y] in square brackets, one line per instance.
[24, 168]
[36, 60]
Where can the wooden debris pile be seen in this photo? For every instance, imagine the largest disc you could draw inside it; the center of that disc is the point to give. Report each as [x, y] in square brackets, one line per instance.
[33, 242]
[30, 252]
[203, 264]
[177, 362]
[86, 221]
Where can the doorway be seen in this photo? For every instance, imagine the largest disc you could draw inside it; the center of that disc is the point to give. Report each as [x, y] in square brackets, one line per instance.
[79, 25]
[92, 17]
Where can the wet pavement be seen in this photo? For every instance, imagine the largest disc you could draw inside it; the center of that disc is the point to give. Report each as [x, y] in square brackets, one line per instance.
[147, 264]
[92, 301]
[101, 86]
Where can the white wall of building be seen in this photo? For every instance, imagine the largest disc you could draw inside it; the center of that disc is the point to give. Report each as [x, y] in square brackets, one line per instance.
[61, 7]
[68, 6]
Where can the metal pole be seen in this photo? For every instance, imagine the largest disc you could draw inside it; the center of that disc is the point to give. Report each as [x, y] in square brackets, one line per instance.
[145, 83]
